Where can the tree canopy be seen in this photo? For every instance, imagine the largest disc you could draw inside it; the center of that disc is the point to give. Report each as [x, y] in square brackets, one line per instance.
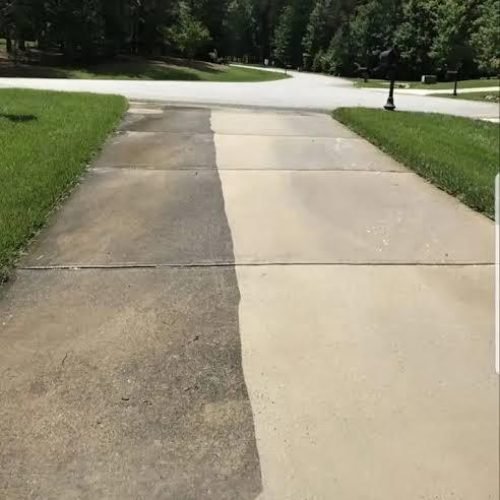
[333, 36]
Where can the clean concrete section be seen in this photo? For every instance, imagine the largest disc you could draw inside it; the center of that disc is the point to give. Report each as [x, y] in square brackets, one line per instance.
[303, 91]
[274, 124]
[350, 217]
[300, 153]
[373, 380]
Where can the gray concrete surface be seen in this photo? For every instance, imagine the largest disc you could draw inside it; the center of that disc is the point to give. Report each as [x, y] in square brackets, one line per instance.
[158, 150]
[137, 216]
[267, 332]
[126, 383]
[303, 91]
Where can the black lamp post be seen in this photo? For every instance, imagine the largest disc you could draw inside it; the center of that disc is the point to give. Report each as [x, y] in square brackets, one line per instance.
[389, 62]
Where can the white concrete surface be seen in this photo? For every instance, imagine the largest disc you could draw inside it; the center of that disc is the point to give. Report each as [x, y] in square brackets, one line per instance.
[374, 380]
[301, 153]
[372, 383]
[303, 91]
[349, 217]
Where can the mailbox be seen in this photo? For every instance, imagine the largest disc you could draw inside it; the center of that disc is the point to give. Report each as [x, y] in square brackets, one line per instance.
[389, 58]
[389, 62]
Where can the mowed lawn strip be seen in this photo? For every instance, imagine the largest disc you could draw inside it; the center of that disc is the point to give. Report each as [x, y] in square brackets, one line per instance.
[459, 155]
[462, 84]
[489, 96]
[46, 141]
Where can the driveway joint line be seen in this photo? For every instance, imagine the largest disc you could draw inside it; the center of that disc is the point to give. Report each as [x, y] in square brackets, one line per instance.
[230, 134]
[195, 265]
[207, 168]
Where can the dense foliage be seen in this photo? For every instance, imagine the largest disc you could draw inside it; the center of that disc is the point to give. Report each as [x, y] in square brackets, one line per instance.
[333, 36]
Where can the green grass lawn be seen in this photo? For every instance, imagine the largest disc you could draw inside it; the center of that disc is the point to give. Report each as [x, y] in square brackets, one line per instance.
[459, 155]
[46, 141]
[137, 68]
[470, 84]
[490, 96]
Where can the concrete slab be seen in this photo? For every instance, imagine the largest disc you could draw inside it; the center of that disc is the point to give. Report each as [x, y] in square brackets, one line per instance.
[185, 120]
[123, 216]
[372, 382]
[300, 153]
[269, 124]
[350, 217]
[144, 111]
[124, 384]
[155, 150]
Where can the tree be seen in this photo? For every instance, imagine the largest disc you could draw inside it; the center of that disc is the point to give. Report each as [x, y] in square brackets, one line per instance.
[240, 28]
[372, 30]
[212, 14]
[189, 35]
[319, 29]
[77, 26]
[267, 14]
[415, 36]
[17, 22]
[450, 48]
[282, 42]
[432, 35]
[485, 39]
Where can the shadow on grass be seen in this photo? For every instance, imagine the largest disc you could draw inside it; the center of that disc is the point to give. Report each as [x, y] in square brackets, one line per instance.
[11, 70]
[159, 68]
[143, 70]
[18, 118]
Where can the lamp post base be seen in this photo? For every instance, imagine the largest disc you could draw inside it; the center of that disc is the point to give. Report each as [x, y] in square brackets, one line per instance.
[389, 105]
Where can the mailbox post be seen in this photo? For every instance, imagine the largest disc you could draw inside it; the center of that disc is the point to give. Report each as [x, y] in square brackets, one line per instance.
[389, 62]
[454, 75]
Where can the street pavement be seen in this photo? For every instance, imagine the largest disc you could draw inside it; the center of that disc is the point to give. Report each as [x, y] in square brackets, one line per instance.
[244, 304]
[304, 91]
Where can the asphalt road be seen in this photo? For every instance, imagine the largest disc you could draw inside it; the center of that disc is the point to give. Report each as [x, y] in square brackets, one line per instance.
[304, 91]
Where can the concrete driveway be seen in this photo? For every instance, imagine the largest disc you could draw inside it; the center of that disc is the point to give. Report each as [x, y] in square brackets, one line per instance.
[305, 91]
[237, 305]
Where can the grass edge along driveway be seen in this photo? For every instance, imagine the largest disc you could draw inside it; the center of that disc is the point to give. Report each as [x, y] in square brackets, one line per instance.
[47, 139]
[459, 155]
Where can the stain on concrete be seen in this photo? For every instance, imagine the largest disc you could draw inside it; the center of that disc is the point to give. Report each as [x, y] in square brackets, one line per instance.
[177, 120]
[158, 150]
[127, 383]
[138, 216]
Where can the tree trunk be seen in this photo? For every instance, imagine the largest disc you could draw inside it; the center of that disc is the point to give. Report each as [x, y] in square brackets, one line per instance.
[9, 45]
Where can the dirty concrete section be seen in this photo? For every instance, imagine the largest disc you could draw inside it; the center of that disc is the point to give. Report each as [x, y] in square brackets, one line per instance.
[126, 382]
[139, 217]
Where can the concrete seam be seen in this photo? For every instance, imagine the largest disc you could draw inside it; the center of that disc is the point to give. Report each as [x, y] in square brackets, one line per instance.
[194, 265]
[206, 168]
